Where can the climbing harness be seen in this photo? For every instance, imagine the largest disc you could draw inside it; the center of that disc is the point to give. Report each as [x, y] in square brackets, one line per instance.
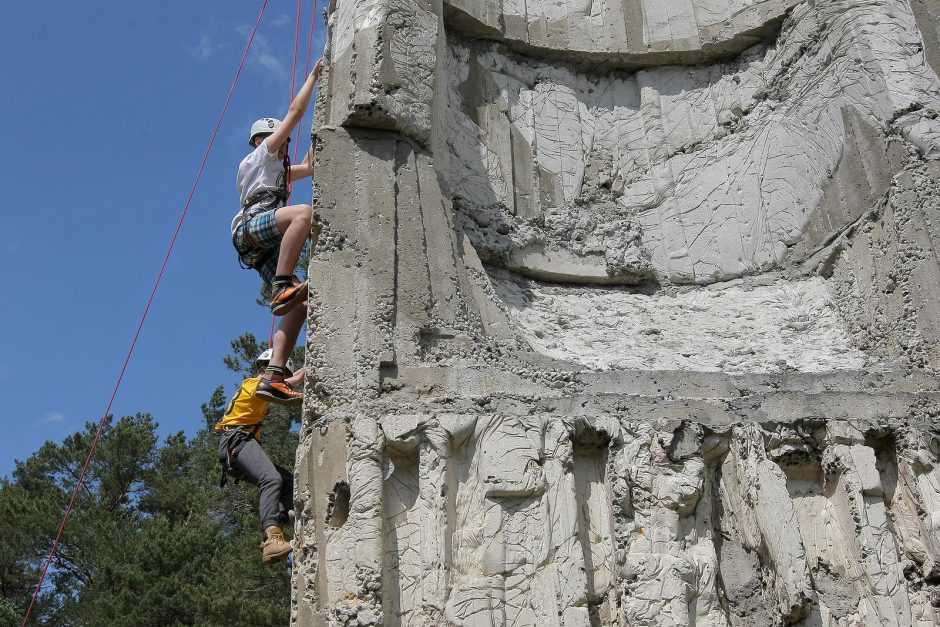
[232, 441]
[257, 202]
[265, 197]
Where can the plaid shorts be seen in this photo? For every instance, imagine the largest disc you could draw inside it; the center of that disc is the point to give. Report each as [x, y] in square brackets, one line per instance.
[258, 241]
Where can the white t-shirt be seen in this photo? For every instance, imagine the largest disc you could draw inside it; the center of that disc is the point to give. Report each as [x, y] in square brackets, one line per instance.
[259, 170]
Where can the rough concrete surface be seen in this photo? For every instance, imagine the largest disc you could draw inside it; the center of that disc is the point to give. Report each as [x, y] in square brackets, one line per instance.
[624, 312]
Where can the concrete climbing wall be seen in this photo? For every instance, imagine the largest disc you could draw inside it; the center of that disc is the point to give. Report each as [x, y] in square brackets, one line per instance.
[624, 312]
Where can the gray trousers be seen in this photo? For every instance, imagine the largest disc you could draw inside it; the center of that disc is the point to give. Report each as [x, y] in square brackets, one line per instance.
[276, 483]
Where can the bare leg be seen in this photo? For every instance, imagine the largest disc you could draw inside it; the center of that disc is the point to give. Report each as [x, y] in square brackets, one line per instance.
[285, 337]
[294, 223]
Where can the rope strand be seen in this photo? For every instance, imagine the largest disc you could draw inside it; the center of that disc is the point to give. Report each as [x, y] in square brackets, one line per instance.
[293, 84]
[293, 69]
[313, 28]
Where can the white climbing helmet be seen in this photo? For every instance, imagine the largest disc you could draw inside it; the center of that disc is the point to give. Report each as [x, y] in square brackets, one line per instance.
[262, 360]
[264, 125]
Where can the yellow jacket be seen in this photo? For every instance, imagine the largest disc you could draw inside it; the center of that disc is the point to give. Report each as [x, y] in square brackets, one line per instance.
[245, 409]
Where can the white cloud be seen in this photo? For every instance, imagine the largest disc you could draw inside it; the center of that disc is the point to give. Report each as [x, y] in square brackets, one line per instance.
[262, 57]
[54, 416]
[205, 48]
[270, 63]
[282, 19]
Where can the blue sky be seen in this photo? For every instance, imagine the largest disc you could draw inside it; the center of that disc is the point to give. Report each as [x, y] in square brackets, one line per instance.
[107, 108]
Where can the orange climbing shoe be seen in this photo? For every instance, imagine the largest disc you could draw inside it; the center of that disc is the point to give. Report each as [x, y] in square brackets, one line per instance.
[275, 547]
[286, 298]
[279, 392]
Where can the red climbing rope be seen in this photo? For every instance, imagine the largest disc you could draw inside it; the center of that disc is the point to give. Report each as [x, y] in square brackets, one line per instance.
[293, 76]
[271, 334]
[293, 84]
[143, 318]
[293, 70]
[313, 28]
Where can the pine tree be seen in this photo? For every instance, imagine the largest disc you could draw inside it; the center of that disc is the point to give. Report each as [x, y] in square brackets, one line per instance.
[152, 540]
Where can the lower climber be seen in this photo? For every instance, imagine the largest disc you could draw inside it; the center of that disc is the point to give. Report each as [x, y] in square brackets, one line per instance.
[270, 236]
[242, 457]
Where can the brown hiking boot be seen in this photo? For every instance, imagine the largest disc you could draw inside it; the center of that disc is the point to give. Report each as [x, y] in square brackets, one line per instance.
[276, 547]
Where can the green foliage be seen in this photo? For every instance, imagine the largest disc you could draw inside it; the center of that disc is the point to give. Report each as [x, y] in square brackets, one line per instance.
[245, 349]
[152, 540]
[9, 615]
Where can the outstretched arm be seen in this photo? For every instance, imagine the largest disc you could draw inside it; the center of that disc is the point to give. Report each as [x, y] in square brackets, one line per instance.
[296, 111]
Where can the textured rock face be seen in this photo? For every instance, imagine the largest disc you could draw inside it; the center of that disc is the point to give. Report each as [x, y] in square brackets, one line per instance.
[624, 313]
[640, 32]
[691, 175]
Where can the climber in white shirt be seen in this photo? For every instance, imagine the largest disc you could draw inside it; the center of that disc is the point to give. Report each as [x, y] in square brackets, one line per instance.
[270, 236]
